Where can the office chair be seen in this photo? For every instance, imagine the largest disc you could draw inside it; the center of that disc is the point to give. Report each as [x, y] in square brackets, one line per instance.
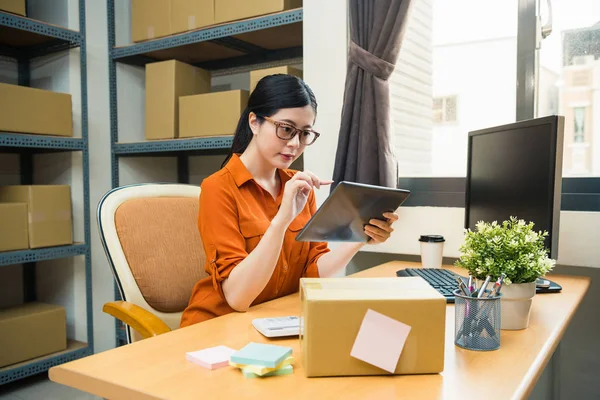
[150, 235]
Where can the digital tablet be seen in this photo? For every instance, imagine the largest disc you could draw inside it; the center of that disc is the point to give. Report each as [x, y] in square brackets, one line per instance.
[343, 216]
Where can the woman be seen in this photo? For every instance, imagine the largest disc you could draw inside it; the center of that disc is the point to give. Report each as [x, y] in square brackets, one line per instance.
[252, 209]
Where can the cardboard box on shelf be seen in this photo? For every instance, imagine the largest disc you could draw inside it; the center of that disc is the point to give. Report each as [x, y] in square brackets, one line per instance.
[166, 81]
[31, 330]
[14, 234]
[150, 19]
[258, 74]
[233, 10]
[49, 212]
[187, 15]
[13, 6]
[410, 301]
[211, 114]
[29, 110]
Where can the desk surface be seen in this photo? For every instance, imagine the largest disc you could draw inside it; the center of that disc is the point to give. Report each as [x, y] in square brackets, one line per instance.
[157, 368]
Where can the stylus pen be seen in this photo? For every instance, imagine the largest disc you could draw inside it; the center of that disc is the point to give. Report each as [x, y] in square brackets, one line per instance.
[470, 284]
[483, 286]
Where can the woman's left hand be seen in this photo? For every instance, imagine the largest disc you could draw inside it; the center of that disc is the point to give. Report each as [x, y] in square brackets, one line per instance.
[379, 231]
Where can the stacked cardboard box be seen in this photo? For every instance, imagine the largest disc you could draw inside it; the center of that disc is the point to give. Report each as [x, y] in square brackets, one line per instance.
[212, 114]
[35, 216]
[179, 103]
[28, 110]
[258, 74]
[31, 330]
[14, 232]
[13, 6]
[166, 82]
[233, 10]
[152, 19]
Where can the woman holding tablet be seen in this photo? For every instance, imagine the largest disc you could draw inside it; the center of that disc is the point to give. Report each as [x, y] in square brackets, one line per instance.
[252, 209]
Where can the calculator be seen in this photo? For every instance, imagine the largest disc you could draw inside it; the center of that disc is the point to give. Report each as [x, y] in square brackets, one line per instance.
[277, 326]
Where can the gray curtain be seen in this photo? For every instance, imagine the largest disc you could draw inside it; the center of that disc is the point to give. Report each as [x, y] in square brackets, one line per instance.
[365, 152]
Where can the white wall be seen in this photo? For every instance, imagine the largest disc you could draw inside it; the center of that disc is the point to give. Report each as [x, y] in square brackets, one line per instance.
[99, 144]
[325, 72]
[577, 244]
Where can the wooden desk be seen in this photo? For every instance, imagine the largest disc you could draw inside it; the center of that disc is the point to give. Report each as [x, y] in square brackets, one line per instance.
[156, 368]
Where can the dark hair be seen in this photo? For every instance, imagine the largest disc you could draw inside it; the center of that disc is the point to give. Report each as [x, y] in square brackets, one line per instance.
[272, 93]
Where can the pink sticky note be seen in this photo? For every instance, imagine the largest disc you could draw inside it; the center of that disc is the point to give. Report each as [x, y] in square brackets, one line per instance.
[380, 341]
[212, 357]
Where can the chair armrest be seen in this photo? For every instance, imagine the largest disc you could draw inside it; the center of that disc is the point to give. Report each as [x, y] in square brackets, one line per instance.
[143, 321]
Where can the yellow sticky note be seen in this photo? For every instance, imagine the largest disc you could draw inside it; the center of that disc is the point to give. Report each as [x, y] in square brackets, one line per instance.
[260, 370]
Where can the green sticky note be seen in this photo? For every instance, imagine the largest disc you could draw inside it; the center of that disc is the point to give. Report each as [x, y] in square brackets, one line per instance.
[266, 355]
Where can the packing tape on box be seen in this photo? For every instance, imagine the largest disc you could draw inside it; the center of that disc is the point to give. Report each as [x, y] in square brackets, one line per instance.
[191, 22]
[34, 217]
[150, 32]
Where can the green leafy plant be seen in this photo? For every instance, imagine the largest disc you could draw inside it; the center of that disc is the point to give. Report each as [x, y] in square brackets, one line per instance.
[512, 248]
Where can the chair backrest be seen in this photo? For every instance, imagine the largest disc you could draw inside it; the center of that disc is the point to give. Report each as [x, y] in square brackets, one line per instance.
[150, 236]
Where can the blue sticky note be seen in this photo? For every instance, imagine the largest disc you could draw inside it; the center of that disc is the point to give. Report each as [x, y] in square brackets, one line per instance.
[266, 355]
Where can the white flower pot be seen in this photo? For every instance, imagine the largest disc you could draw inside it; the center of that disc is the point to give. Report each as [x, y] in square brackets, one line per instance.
[516, 305]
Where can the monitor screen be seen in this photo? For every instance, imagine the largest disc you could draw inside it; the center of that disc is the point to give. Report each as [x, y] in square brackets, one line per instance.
[516, 170]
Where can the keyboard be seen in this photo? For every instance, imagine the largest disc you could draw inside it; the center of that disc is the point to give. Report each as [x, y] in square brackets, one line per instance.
[442, 280]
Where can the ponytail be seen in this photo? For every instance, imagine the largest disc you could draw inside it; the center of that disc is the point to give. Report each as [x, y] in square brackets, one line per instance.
[271, 94]
[242, 138]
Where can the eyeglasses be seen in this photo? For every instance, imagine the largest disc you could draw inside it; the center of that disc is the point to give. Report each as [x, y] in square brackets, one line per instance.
[285, 131]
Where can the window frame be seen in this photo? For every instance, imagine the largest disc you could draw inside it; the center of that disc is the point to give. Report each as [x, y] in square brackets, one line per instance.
[578, 194]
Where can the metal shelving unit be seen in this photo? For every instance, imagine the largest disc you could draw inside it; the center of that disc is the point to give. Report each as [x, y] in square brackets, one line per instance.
[169, 147]
[23, 39]
[240, 46]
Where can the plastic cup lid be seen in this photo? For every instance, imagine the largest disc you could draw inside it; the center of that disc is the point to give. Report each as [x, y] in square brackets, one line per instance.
[432, 238]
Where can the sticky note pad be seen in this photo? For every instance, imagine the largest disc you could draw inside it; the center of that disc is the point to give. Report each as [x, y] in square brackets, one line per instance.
[259, 370]
[285, 370]
[266, 355]
[212, 357]
[380, 341]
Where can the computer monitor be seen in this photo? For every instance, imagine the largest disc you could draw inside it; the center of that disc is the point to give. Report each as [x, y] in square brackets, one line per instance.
[516, 170]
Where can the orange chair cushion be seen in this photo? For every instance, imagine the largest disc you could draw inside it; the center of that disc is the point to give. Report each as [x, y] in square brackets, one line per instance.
[163, 248]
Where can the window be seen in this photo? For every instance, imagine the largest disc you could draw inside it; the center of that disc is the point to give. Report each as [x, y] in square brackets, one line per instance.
[444, 109]
[572, 54]
[578, 121]
[456, 72]
[455, 50]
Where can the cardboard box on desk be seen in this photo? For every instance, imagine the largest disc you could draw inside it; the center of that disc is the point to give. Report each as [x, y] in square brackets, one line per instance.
[166, 81]
[258, 74]
[28, 110]
[31, 330]
[233, 10]
[13, 6]
[211, 114]
[333, 311]
[49, 212]
[187, 15]
[14, 233]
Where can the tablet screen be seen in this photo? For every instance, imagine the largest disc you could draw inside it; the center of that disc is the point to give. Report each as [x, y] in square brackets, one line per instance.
[342, 217]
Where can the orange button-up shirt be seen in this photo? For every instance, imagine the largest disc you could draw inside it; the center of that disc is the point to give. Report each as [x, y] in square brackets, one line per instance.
[234, 214]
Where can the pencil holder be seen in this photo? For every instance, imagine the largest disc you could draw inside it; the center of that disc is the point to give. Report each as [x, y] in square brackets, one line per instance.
[477, 322]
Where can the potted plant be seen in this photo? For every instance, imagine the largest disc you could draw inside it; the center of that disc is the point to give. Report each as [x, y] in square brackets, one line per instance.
[512, 248]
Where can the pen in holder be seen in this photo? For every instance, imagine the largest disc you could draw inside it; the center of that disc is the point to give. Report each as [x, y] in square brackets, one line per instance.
[477, 321]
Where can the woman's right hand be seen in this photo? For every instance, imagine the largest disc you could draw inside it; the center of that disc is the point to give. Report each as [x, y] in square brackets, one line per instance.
[295, 195]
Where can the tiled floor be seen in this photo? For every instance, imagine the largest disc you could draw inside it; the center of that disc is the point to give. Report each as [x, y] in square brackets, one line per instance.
[39, 387]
